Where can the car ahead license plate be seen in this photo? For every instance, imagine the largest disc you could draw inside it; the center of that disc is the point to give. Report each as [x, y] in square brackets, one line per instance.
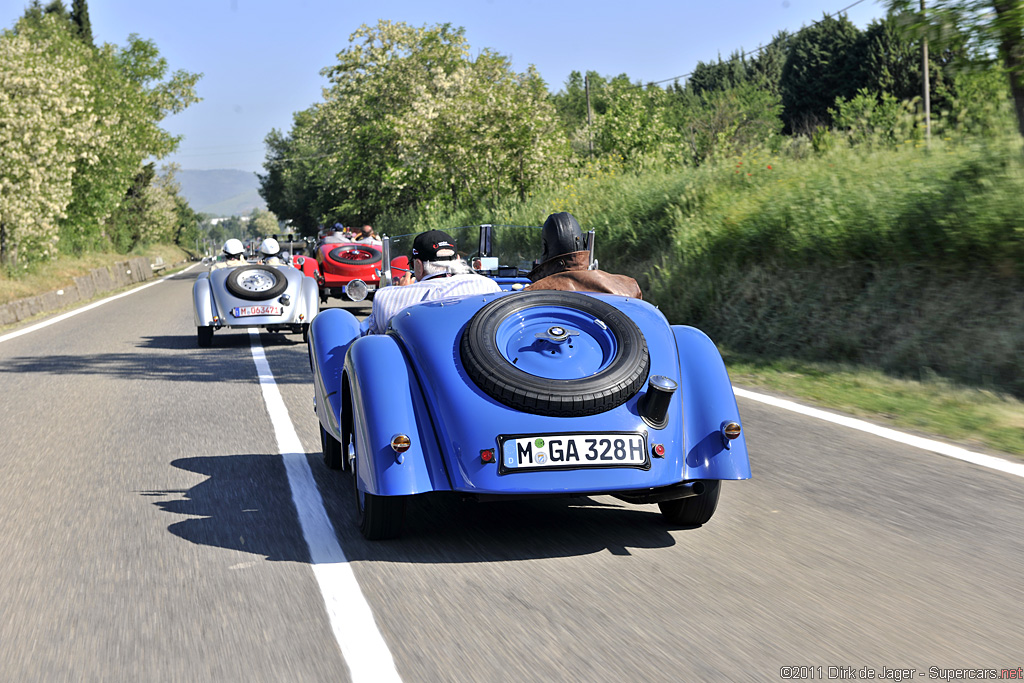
[246, 311]
[572, 451]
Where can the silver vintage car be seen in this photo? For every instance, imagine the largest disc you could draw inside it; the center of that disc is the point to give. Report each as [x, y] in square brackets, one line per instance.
[277, 298]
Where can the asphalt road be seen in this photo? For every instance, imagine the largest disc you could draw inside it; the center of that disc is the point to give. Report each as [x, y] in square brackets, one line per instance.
[149, 534]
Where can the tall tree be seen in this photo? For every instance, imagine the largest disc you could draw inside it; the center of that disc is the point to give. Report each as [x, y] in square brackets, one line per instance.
[720, 75]
[985, 28]
[411, 119]
[45, 130]
[80, 18]
[824, 62]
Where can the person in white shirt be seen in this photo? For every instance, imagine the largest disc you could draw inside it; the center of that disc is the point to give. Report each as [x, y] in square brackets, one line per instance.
[367, 235]
[437, 273]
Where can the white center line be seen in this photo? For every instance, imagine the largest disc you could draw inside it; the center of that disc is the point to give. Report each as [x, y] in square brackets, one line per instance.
[361, 643]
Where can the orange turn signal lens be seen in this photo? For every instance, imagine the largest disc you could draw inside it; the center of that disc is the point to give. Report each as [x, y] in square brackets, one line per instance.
[731, 430]
[400, 443]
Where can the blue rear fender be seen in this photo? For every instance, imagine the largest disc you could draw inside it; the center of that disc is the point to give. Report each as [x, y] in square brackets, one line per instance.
[386, 399]
[330, 335]
[708, 400]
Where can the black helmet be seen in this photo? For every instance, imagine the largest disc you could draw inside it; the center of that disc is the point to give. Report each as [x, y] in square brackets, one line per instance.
[561, 234]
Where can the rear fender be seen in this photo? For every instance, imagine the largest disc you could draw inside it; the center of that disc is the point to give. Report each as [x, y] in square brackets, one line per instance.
[386, 399]
[204, 309]
[330, 334]
[310, 300]
[708, 401]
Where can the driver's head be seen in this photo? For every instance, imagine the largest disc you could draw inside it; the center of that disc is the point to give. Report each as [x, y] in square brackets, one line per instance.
[561, 234]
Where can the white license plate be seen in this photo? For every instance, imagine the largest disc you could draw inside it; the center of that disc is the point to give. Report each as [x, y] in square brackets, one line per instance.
[246, 311]
[571, 451]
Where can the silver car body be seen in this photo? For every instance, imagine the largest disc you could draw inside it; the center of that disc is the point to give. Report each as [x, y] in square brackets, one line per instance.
[215, 305]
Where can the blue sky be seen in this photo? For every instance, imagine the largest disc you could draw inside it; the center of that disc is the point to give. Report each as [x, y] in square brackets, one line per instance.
[261, 59]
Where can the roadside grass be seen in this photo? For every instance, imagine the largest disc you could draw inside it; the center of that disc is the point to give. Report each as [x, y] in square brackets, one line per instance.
[60, 273]
[973, 418]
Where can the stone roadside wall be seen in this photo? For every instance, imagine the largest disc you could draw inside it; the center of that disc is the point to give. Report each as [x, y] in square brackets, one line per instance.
[85, 287]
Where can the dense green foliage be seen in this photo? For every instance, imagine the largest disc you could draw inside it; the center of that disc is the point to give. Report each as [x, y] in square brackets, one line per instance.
[77, 124]
[979, 33]
[410, 119]
[411, 123]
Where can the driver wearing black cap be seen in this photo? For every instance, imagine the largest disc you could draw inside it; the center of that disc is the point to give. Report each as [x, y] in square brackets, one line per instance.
[437, 273]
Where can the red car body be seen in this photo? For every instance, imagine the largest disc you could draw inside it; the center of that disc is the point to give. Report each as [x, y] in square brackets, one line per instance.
[308, 265]
[341, 263]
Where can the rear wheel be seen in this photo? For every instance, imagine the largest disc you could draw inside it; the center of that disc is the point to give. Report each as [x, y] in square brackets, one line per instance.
[204, 335]
[332, 450]
[695, 510]
[378, 517]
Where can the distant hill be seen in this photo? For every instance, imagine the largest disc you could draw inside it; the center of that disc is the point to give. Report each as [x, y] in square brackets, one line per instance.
[225, 192]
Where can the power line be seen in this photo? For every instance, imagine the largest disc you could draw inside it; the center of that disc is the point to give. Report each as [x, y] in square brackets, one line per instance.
[743, 55]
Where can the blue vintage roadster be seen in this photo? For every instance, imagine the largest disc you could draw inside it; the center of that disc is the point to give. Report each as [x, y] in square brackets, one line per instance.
[524, 393]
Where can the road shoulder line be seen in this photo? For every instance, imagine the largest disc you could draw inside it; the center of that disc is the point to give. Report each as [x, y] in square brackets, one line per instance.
[991, 462]
[88, 307]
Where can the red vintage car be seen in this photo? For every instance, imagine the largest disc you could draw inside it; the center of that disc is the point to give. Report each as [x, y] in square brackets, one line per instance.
[351, 270]
[308, 266]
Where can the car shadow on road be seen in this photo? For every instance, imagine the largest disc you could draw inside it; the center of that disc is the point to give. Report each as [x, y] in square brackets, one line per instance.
[231, 339]
[222, 363]
[245, 504]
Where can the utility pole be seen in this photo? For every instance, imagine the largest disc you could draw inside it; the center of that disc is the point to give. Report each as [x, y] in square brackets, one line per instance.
[927, 89]
[590, 130]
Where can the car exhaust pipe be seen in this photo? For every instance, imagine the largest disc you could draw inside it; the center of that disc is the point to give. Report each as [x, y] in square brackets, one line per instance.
[686, 489]
[653, 405]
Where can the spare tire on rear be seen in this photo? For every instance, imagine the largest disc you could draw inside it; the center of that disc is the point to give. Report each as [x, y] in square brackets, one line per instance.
[256, 282]
[561, 354]
[358, 255]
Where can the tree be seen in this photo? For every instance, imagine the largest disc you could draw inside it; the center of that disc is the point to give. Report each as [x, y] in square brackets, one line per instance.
[46, 128]
[571, 104]
[409, 120]
[262, 224]
[80, 18]
[823, 63]
[722, 75]
[290, 185]
[132, 94]
[726, 122]
[634, 127]
[764, 70]
[987, 30]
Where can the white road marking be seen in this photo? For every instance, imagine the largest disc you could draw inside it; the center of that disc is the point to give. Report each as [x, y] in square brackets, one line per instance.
[83, 309]
[361, 643]
[989, 461]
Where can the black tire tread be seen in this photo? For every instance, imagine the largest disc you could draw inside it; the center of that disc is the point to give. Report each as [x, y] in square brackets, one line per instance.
[695, 510]
[204, 336]
[331, 448]
[280, 283]
[375, 256]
